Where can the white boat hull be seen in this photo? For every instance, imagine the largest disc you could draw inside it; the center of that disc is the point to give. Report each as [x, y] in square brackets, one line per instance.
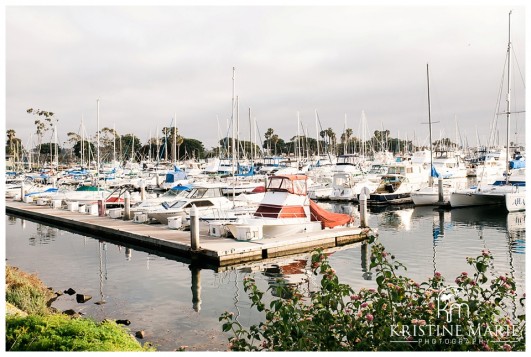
[277, 227]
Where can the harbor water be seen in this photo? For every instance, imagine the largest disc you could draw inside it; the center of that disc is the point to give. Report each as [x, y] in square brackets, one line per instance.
[177, 304]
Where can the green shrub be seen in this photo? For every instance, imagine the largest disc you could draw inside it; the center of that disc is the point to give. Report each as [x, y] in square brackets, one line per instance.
[399, 315]
[60, 332]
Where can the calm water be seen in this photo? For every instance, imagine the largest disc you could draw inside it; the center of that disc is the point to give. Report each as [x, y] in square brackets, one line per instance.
[178, 305]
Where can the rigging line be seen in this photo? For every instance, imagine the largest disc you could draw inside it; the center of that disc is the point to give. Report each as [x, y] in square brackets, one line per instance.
[518, 66]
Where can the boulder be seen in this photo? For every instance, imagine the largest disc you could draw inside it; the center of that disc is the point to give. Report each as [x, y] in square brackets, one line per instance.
[80, 298]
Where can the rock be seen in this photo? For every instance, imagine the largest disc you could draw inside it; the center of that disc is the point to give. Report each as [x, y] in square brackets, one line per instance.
[140, 334]
[69, 312]
[70, 291]
[100, 302]
[80, 298]
[123, 322]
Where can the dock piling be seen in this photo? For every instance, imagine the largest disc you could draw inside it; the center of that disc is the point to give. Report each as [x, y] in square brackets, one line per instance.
[363, 209]
[127, 206]
[142, 190]
[440, 186]
[194, 228]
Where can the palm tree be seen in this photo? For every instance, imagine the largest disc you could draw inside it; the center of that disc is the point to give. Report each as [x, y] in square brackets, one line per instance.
[331, 137]
[268, 135]
[10, 136]
[275, 139]
[348, 133]
[180, 141]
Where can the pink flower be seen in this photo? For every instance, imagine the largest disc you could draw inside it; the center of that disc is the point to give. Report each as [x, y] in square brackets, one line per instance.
[437, 274]
[507, 347]
[354, 297]
[369, 317]
[464, 273]
[503, 278]
[364, 305]
[472, 282]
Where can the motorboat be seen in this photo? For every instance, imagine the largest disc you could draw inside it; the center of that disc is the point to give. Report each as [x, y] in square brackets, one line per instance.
[208, 199]
[285, 210]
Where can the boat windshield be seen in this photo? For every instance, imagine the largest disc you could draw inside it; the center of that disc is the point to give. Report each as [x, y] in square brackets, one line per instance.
[283, 184]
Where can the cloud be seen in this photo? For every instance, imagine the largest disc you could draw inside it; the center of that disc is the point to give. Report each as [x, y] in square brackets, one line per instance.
[148, 63]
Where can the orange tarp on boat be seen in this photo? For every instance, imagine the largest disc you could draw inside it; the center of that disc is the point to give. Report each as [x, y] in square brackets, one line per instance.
[328, 219]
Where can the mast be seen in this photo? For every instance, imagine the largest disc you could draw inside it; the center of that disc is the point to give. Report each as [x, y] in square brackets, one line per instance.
[175, 158]
[232, 119]
[298, 137]
[98, 144]
[114, 144]
[508, 107]
[317, 133]
[429, 122]
[251, 136]
[82, 143]
[56, 148]
[149, 152]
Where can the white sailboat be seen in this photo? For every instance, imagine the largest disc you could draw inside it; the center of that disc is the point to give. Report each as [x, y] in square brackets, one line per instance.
[429, 195]
[507, 191]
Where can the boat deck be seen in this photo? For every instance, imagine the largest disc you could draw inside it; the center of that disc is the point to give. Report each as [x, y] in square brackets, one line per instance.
[217, 251]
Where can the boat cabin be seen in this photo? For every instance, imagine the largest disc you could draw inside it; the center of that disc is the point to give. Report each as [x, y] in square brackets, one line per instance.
[286, 197]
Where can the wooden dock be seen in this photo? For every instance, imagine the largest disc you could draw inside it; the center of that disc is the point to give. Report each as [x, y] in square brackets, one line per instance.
[212, 251]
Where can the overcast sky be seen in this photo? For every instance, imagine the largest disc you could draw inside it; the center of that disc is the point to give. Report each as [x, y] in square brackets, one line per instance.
[148, 64]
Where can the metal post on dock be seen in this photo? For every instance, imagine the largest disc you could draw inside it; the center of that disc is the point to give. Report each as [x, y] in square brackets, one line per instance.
[363, 209]
[441, 195]
[127, 206]
[194, 228]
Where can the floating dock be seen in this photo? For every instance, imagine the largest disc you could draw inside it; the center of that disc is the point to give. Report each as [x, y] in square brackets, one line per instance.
[211, 250]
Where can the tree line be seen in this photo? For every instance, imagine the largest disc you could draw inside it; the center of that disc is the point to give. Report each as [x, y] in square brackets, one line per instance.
[171, 146]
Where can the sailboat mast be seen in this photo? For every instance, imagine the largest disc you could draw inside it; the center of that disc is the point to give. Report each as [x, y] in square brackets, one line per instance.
[508, 110]
[429, 122]
[114, 144]
[175, 158]
[98, 144]
[232, 121]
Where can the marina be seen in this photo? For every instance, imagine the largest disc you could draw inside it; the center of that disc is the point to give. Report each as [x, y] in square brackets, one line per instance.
[158, 189]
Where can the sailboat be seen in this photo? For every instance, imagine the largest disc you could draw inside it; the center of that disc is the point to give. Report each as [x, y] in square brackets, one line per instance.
[430, 195]
[509, 190]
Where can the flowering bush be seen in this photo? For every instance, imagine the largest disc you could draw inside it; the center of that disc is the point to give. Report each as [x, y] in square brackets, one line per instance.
[399, 315]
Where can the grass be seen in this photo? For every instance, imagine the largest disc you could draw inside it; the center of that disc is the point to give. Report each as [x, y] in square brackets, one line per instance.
[44, 330]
